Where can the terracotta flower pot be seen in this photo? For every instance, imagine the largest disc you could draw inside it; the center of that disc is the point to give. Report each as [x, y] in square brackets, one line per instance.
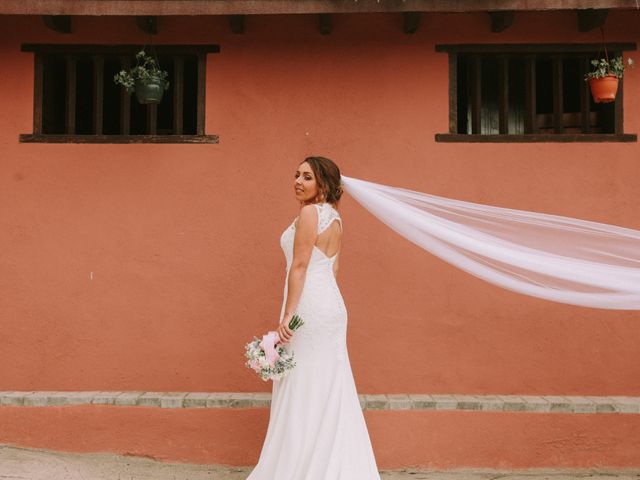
[604, 89]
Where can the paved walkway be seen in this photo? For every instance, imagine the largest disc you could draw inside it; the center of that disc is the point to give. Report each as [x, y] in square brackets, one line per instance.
[17, 463]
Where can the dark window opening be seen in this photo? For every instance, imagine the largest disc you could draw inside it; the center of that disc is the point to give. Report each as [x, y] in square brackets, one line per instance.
[55, 99]
[529, 93]
[572, 74]
[76, 99]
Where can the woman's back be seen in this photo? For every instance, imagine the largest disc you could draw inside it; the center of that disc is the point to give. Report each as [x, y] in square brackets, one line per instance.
[327, 246]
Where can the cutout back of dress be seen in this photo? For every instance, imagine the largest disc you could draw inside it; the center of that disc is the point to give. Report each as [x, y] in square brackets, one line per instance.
[326, 215]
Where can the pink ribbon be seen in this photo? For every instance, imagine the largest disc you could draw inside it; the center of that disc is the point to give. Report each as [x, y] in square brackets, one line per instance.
[268, 344]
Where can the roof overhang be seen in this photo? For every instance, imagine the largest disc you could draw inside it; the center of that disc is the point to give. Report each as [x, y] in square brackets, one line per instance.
[258, 7]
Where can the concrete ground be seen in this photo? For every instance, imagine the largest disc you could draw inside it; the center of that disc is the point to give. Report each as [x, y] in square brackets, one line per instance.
[19, 463]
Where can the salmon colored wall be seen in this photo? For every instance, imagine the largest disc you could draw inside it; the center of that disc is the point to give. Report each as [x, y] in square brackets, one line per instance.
[147, 267]
[433, 439]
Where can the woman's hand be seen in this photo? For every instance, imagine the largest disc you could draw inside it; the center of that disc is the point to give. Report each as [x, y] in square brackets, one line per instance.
[283, 330]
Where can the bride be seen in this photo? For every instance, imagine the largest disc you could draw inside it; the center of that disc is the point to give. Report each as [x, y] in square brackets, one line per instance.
[316, 426]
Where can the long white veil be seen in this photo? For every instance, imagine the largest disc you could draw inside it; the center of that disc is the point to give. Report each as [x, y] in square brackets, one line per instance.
[557, 258]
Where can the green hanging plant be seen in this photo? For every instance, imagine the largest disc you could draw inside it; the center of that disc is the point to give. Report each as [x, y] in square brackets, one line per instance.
[603, 79]
[604, 67]
[146, 79]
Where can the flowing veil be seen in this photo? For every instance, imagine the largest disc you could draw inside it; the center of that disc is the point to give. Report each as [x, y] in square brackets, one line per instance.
[556, 258]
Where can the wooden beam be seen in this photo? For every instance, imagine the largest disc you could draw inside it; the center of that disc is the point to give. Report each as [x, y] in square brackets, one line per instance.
[503, 114]
[540, 137]
[101, 48]
[410, 20]
[531, 47]
[98, 93]
[530, 125]
[147, 23]
[178, 96]
[70, 104]
[591, 18]
[59, 138]
[236, 22]
[325, 23]
[585, 97]
[125, 101]
[453, 93]
[618, 114]
[201, 97]
[49, 92]
[476, 94]
[58, 23]
[558, 95]
[38, 93]
[467, 95]
[152, 118]
[501, 20]
[253, 7]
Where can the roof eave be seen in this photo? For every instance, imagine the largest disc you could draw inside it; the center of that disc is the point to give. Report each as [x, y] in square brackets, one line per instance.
[259, 7]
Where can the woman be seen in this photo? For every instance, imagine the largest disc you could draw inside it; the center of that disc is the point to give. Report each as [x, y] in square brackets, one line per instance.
[316, 427]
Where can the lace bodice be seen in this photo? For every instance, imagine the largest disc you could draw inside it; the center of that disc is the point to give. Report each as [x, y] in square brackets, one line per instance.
[326, 214]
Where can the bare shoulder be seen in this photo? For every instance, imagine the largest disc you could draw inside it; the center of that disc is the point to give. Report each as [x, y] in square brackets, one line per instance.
[308, 217]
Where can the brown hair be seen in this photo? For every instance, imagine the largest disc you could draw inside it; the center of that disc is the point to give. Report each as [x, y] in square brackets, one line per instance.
[328, 177]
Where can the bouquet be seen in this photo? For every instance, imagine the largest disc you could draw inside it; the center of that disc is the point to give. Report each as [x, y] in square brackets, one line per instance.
[269, 359]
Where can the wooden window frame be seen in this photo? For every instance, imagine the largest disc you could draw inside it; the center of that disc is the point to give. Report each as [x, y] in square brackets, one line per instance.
[453, 50]
[125, 52]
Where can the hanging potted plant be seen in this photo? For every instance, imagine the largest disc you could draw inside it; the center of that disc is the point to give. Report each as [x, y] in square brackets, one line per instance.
[146, 79]
[603, 79]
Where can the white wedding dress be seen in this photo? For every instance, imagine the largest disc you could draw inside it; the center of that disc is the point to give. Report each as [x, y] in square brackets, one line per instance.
[316, 427]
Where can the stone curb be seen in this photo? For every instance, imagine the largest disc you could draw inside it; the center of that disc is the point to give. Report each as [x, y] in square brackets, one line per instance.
[396, 401]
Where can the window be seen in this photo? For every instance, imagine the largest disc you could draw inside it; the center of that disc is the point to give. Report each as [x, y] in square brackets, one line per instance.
[77, 101]
[529, 93]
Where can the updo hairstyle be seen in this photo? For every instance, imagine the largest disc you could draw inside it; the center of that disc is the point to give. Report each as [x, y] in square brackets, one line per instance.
[328, 178]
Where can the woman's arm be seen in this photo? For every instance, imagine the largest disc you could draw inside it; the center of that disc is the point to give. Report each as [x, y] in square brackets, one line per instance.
[303, 242]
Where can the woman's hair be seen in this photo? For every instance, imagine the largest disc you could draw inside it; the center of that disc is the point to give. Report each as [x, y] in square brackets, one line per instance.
[328, 177]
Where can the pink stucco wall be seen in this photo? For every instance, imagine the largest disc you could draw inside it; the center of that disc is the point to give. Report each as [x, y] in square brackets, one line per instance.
[147, 267]
[434, 439]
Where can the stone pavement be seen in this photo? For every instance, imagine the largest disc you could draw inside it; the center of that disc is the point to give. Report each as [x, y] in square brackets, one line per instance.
[18, 463]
